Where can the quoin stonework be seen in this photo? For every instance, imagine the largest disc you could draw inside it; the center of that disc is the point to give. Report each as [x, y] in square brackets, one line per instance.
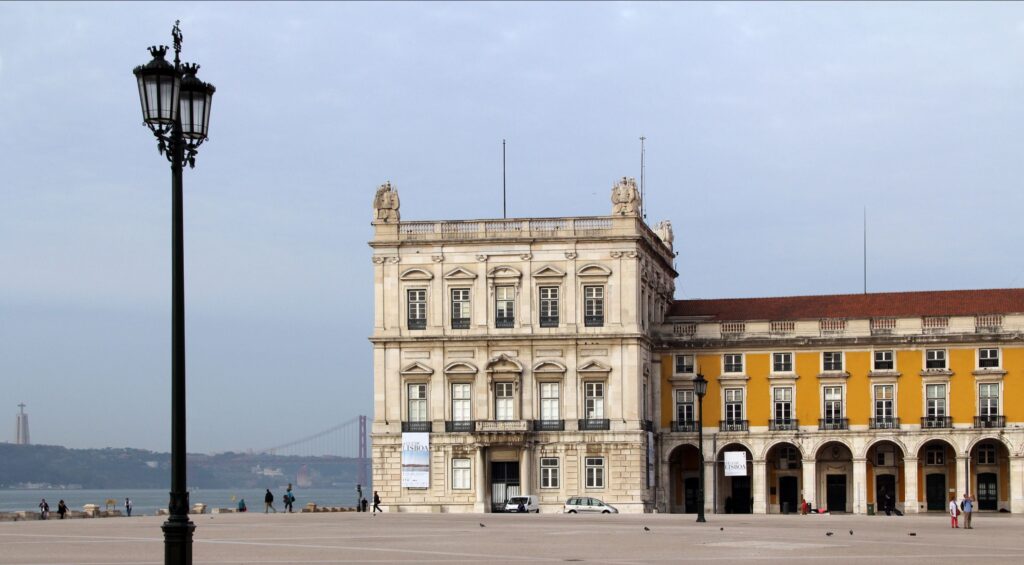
[549, 356]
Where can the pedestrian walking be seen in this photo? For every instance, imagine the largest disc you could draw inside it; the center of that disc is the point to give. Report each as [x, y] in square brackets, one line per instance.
[365, 504]
[44, 510]
[268, 502]
[128, 506]
[289, 499]
[359, 498]
[968, 507]
[376, 503]
[62, 508]
[954, 512]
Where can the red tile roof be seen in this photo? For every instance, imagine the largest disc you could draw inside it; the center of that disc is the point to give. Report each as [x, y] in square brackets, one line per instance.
[882, 304]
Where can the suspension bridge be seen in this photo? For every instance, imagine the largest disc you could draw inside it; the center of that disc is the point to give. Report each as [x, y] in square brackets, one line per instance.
[347, 439]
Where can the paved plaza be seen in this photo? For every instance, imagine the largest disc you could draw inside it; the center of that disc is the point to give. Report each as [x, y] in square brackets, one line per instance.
[450, 538]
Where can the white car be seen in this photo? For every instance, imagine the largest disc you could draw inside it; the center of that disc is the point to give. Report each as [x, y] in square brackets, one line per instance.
[528, 502]
[579, 504]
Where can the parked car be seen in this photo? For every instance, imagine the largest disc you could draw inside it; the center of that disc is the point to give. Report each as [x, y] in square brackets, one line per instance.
[587, 504]
[528, 502]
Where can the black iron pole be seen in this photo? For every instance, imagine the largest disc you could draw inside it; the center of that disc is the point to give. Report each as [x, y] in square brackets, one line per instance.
[700, 451]
[178, 528]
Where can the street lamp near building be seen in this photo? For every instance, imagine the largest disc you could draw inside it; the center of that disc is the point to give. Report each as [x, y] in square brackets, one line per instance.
[176, 107]
[700, 388]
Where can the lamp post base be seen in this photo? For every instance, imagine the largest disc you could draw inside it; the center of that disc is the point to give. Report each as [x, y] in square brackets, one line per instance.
[178, 540]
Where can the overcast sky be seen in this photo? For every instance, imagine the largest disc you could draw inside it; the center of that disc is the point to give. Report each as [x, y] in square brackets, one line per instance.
[769, 128]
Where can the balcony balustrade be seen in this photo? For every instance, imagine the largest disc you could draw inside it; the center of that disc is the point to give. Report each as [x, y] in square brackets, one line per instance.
[732, 425]
[888, 423]
[593, 321]
[990, 421]
[499, 426]
[417, 426]
[460, 323]
[787, 424]
[548, 425]
[457, 426]
[504, 322]
[591, 424]
[686, 426]
[833, 424]
[933, 422]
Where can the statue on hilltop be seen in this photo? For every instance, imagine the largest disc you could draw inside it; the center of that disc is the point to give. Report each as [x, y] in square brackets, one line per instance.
[625, 198]
[385, 204]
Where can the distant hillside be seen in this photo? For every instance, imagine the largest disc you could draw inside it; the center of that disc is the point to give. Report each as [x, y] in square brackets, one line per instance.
[50, 465]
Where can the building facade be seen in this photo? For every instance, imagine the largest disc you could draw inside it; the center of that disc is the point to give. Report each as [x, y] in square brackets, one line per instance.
[548, 356]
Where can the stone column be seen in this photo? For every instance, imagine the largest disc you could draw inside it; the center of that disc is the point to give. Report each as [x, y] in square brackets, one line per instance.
[961, 477]
[759, 480]
[860, 487]
[910, 504]
[710, 496]
[1016, 484]
[810, 482]
[481, 479]
[525, 466]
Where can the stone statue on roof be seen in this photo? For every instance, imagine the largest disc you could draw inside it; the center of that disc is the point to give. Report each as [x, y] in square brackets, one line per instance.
[663, 230]
[385, 204]
[625, 198]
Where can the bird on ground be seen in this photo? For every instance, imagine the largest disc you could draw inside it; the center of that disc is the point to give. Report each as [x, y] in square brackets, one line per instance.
[646, 529]
[482, 526]
[828, 533]
[721, 529]
[912, 534]
[851, 532]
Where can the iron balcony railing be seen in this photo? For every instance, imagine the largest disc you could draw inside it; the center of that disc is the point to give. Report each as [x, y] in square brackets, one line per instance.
[417, 323]
[785, 424]
[502, 426]
[549, 321]
[416, 426]
[459, 426]
[592, 424]
[548, 425]
[990, 421]
[460, 323]
[685, 426]
[833, 424]
[504, 322]
[932, 422]
[887, 423]
[593, 321]
[732, 425]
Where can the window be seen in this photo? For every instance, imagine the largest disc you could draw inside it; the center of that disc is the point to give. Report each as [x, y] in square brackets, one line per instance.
[733, 362]
[504, 401]
[417, 403]
[884, 402]
[549, 306]
[733, 404]
[548, 472]
[783, 403]
[461, 402]
[593, 306]
[417, 304]
[935, 359]
[684, 406]
[460, 308]
[988, 399]
[833, 403]
[684, 364]
[833, 360]
[549, 401]
[782, 362]
[935, 455]
[936, 399]
[988, 358]
[504, 307]
[986, 454]
[460, 474]
[884, 361]
[594, 401]
[595, 472]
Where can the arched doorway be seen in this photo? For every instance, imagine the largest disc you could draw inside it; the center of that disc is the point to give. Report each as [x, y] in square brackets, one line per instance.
[684, 470]
[936, 471]
[783, 468]
[990, 475]
[885, 477]
[735, 488]
[834, 473]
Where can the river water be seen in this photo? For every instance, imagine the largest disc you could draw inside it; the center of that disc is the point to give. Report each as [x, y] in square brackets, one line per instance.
[148, 501]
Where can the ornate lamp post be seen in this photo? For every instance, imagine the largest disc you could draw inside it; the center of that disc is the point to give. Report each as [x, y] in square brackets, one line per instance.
[176, 107]
[700, 388]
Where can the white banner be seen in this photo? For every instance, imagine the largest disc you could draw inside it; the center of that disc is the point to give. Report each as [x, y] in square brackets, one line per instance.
[416, 460]
[735, 463]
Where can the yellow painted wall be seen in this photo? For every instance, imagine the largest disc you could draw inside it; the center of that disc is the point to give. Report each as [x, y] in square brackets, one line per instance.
[711, 367]
[1013, 388]
[962, 390]
[808, 395]
[858, 388]
[910, 391]
[759, 400]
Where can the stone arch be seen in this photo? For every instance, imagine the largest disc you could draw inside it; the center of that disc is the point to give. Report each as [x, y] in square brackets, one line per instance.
[893, 440]
[949, 440]
[989, 437]
[684, 465]
[735, 493]
[416, 274]
[815, 451]
[937, 471]
[773, 444]
[783, 476]
[989, 479]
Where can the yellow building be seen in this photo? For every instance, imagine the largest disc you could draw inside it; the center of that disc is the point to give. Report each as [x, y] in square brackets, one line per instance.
[854, 403]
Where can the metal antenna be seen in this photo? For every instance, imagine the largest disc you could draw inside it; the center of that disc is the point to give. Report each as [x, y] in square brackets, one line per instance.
[504, 213]
[865, 250]
[643, 204]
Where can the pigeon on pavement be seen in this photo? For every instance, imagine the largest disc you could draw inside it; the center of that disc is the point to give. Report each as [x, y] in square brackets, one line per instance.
[828, 533]
[482, 526]
[646, 529]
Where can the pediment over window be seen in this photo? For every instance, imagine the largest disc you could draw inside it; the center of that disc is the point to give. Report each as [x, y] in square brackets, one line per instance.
[460, 368]
[458, 273]
[415, 274]
[504, 272]
[504, 364]
[594, 270]
[594, 368]
[548, 271]
[417, 369]
[549, 367]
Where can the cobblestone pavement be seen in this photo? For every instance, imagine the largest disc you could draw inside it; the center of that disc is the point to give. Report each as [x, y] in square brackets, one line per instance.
[460, 538]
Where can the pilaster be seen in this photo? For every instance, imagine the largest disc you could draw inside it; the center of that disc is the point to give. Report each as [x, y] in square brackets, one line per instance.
[910, 503]
[760, 500]
[810, 482]
[860, 477]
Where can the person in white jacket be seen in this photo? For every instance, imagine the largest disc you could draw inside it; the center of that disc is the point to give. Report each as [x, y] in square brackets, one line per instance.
[954, 511]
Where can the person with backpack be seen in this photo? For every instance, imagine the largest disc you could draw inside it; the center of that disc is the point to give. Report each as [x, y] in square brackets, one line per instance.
[289, 499]
[268, 502]
[967, 505]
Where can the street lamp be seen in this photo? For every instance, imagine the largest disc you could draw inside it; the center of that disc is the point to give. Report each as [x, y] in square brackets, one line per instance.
[176, 107]
[700, 388]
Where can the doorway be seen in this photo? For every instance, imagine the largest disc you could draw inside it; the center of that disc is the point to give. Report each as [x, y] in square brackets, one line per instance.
[885, 493]
[788, 493]
[988, 491]
[504, 483]
[935, 491]
[739, 502]
[690, 487]
[835, 493]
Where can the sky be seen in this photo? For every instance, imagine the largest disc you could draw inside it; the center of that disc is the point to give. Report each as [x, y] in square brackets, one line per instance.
[770, 129]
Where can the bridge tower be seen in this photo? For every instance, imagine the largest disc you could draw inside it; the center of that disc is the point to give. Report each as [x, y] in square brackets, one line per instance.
[363, 460]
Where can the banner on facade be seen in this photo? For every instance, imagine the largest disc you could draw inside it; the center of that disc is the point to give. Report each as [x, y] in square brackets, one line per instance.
[650, 459]
[735, 463]
[415, 460]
